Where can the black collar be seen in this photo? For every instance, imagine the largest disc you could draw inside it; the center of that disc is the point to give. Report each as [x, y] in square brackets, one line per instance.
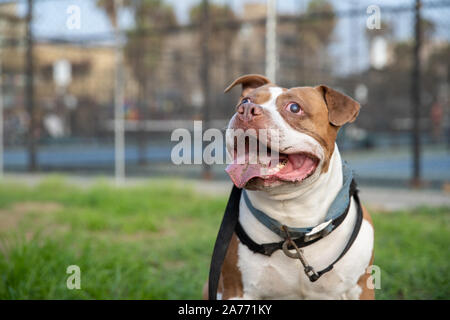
[332, 219]
[230, 224]
[302, 241]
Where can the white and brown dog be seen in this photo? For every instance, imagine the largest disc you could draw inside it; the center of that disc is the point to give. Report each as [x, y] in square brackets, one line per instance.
[297, 194]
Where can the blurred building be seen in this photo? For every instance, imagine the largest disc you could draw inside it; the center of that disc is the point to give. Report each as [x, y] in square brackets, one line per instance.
[163, 62]
[238, 50]
[83, 105]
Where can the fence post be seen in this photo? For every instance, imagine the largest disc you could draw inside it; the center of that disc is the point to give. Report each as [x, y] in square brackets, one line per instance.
[205, 77]
[271, 40]
[1, 109]
[119, 126]
[416, 99]
[29, 90]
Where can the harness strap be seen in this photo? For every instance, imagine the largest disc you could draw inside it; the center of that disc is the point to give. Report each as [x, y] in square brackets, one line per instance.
[333, 216]
[269, 248]
[226, 231]
[359, 218]
[230, 224]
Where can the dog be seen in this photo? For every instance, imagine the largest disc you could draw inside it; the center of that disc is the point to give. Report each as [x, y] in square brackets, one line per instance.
[298, 193]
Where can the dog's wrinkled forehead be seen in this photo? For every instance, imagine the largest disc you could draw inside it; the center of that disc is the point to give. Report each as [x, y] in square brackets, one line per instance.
[268, 96]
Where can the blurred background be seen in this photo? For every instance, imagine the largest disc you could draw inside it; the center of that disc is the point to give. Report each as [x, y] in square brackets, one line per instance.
[60, 93]
[94, 88]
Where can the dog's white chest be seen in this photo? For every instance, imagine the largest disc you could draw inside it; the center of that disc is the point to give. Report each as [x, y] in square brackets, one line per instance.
[281, 277]
[275, 277]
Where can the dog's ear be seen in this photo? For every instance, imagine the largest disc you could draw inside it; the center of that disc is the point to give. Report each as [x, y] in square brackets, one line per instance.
[249, 82]
[341, 108]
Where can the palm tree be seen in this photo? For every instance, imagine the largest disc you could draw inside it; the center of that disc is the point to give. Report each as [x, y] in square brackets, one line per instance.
[110, 7]
[143, 53]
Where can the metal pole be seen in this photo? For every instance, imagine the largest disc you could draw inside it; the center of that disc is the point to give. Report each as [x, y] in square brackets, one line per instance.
[416, 99]
[353, 54]
[1, 112]
[119, 127]
[29, 91]
[205, 77]
[271, 40]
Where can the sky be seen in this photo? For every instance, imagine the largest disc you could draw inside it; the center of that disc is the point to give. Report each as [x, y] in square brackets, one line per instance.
[51, 14]
[51, 17]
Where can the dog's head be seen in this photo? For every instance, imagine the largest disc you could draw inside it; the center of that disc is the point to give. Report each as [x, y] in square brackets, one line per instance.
[301, 124]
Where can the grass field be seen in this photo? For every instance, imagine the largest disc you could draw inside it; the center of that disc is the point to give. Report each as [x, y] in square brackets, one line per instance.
[155, 242]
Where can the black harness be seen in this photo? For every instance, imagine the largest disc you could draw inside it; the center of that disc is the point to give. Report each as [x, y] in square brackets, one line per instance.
[230, 224]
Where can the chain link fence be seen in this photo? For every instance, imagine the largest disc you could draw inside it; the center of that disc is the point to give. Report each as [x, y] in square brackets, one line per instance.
[364, 48]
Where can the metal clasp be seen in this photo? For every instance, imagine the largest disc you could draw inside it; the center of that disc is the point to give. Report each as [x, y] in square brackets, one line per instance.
[319, 231]
[309, 270]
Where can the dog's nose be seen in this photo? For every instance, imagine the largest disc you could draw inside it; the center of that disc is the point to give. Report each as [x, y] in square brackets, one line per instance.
[248, 111]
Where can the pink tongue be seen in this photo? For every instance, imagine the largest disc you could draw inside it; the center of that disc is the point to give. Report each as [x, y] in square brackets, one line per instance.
[241, 173]
[296, 169]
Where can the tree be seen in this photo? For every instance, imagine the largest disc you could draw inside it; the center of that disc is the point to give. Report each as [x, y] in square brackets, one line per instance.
[313, 33]
[144, 42]
[110, 7]
[143, 49]
[222, 21]
[403, 50]
[320, 26]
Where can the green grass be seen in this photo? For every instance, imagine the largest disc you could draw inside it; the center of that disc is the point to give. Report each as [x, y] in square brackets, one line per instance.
[155, 242]
[412, 250]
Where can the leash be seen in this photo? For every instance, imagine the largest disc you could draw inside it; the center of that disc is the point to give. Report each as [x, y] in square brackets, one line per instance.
[230, 224]
[223, 239]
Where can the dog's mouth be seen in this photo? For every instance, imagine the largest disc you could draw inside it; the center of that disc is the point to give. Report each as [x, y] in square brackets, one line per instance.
[249, 167]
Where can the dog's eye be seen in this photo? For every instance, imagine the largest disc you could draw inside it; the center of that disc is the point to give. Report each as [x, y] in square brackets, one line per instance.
[293, 107]
[246, 100]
